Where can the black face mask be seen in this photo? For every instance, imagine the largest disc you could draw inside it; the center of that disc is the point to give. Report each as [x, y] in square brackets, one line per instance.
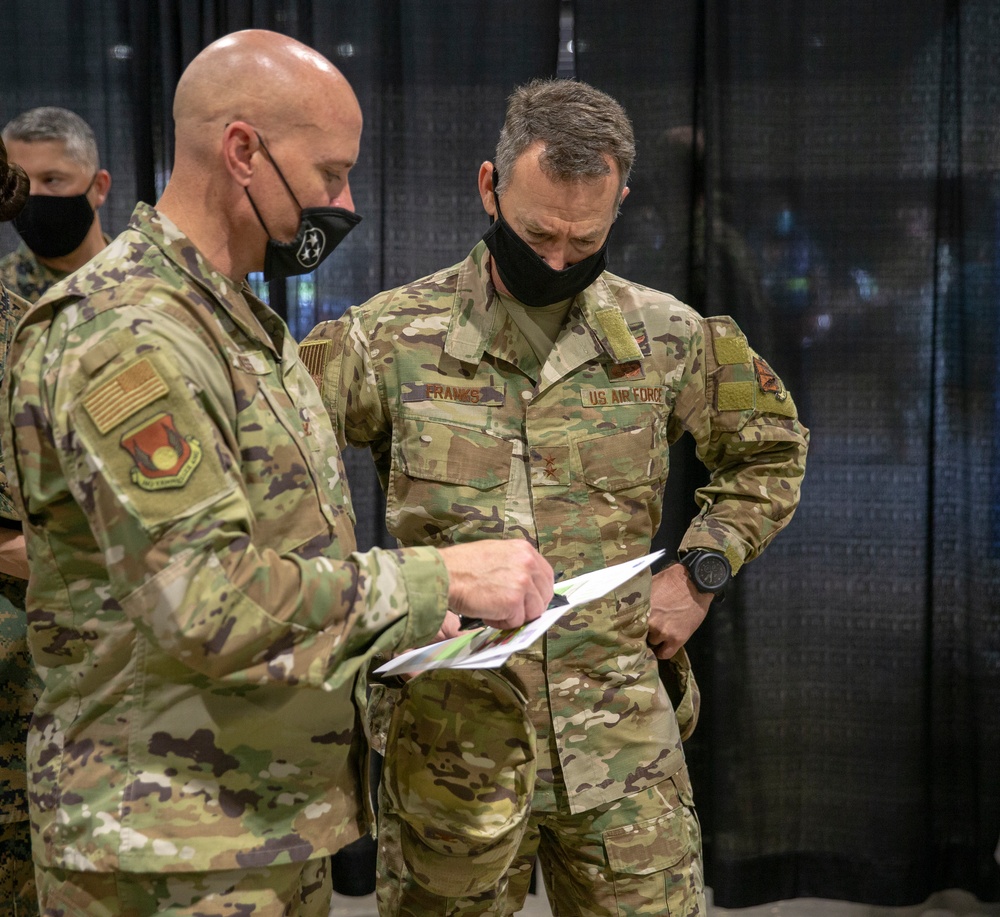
[55, 226]
[526, 275]
[321, 230]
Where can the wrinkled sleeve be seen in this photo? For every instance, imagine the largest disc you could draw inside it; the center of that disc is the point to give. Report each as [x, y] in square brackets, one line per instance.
[187, 562]
[746, 427]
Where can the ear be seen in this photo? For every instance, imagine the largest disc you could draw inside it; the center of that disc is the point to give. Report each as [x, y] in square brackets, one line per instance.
[100, 188]
[625, 192]
[486, 188]
[239, 143]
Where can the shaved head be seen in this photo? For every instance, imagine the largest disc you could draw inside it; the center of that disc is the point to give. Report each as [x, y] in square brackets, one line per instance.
[270, 80]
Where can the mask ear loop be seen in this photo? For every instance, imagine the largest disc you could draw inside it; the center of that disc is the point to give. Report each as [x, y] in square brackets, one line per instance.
[288, 187]
[496, 197]
[260, 219]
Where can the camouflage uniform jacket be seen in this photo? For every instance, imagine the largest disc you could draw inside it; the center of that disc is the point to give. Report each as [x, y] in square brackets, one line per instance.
[194, 604]
[17, 675]
[22, 273]
[473, 439]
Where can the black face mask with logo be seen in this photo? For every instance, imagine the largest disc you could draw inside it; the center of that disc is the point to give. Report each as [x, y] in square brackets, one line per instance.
[321, 230]
[53, 227]
[526, 275]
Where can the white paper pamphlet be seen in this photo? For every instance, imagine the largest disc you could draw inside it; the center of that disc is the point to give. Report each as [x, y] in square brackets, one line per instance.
[489, 648]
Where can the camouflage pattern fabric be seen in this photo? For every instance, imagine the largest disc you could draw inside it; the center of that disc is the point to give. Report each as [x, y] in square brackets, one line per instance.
[461, 792]
[21, 687]
[17, 873]
[22, 273]
[196, 609]
[296, 890]
[12, 307]
[682, 689]
[639, 856]
[473, 439]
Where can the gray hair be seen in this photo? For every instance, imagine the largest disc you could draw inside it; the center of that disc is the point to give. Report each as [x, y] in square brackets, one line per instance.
[51, 123]
[579, 126]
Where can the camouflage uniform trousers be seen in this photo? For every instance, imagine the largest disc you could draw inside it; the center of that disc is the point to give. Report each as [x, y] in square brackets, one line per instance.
[639, 856]
[293, 890]
[17, 872]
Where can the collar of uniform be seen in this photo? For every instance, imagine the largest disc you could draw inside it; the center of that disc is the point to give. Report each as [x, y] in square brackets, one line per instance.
[163, 233]
[479, 323]
[41, 275]
[584, 337]
[476, 314]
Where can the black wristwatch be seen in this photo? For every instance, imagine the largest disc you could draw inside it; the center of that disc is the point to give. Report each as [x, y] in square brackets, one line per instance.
[710, 570]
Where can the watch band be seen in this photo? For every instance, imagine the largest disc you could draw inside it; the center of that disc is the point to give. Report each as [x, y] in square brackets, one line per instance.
[710, 570]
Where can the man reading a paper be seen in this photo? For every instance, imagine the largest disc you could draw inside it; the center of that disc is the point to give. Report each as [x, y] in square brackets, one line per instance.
[528, 393]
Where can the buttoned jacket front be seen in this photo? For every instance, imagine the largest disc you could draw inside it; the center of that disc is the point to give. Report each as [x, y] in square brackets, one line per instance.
[473, 439]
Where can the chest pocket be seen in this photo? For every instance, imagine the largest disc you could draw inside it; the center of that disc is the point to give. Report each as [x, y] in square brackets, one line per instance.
[625, 473]
[447, 483]
[619, 461]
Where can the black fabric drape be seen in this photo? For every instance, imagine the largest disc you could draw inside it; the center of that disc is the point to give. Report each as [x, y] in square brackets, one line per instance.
[846, 212]
[828, 174]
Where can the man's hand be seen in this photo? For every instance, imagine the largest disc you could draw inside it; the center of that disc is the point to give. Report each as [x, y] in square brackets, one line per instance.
[505, 583]
[13, 555]
[450, 626]
[676, 610]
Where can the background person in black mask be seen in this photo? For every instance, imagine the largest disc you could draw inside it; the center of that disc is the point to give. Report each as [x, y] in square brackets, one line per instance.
[60, 226]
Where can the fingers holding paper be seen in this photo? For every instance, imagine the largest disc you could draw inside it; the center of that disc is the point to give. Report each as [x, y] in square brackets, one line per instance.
[504, 583]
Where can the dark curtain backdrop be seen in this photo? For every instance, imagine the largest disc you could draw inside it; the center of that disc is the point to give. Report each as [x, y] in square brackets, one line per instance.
[830, 175]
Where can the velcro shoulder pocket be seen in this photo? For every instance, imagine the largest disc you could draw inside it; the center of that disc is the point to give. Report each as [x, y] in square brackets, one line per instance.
[146, 436]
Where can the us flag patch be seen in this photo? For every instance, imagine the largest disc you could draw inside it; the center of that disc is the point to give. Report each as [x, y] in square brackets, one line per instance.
[125, 393]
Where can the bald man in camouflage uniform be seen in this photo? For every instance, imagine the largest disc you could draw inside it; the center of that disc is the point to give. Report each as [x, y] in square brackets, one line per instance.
[515, 397]
[196, 606]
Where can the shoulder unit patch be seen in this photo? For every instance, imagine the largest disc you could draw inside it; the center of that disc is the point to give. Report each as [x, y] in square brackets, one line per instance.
[163, 457]
[768, 380]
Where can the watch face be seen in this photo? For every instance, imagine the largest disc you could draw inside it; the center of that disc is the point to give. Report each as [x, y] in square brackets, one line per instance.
[712, 570]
